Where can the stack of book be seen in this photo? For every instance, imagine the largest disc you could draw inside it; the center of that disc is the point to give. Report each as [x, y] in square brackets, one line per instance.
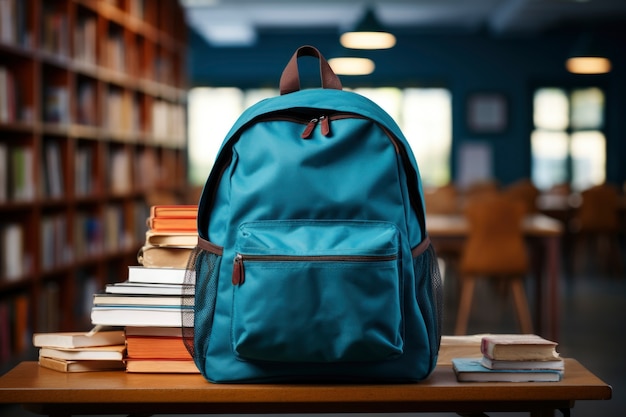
[171, 236]
[81, 352]
[513, 358]
[151, 302]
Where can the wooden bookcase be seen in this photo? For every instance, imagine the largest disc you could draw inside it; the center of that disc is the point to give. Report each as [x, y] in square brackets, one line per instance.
[92, 121]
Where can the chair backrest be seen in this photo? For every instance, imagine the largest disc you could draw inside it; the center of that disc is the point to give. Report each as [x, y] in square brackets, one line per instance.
[495, 245]
[442, 200]
[526, 192]
[599, 210]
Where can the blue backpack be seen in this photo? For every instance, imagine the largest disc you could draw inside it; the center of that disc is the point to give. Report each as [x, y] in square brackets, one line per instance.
[313, 261]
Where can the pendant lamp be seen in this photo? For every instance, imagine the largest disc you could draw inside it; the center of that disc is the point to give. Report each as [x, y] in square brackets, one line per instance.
[369, 33]
[587, 57]
[350, 62]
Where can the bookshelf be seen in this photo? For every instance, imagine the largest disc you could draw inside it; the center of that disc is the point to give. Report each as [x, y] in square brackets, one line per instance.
[92, 121]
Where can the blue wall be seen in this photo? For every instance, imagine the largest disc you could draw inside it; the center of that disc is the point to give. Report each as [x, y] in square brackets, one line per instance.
[463, 63]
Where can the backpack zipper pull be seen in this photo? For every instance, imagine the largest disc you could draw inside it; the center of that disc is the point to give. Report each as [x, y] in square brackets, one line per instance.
[325, 125]
[238, 271]
[308, 130]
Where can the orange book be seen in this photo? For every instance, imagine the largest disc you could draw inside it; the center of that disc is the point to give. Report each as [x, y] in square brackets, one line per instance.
[179, 211]
[152, 347]
[161, 366]
[173, 224]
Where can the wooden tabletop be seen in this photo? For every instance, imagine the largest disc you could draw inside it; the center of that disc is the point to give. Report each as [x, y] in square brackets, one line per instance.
[45, 391]
[456, 225]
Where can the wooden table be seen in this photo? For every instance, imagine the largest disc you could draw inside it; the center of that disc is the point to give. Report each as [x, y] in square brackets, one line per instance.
[62, 394]
[544, 236]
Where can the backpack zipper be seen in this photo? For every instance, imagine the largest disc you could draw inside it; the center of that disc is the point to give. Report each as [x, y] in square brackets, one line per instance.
[310, 124]
[308, 130]
[238, 277]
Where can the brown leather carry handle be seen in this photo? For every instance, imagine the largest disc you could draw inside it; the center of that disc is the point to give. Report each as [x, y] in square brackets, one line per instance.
[290, 79]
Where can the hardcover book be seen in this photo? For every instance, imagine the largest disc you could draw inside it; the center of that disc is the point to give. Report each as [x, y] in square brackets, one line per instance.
[156, 238]
[130, 315]
[172, 224]
[150, 347]
[180, 211]
[164, 256]
[518, 347]
[110, 353]
[79, 339]
[161, 275]
[105, 299]
[140, 288]
[65, 365]
[161, 366]
[558, 364]
[471, 370]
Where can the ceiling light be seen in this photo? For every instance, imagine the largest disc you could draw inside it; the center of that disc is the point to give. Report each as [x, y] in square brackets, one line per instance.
[587, 57]
[352, 66]
[369, 33]
[588, 65]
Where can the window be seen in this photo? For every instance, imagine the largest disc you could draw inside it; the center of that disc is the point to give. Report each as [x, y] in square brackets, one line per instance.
[568, 145]
[423, 114]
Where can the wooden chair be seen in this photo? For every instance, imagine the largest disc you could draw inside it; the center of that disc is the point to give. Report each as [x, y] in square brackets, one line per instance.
[525, 191]
[494, 249]
[596, 226]
[481, 188]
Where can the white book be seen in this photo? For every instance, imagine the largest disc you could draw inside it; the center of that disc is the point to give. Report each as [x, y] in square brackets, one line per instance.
[147, 289]
[147, 300]
[134, 316]
[156, 275]
[79, 339]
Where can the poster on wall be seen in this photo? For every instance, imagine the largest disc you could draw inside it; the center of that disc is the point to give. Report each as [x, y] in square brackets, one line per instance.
[474, 163]
[487, 113]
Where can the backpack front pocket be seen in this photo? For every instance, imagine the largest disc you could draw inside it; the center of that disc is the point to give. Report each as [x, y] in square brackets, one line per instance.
[317, 291]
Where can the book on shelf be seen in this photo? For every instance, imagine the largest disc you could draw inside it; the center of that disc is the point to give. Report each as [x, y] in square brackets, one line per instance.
[105, 299]
[8, 100]
[518, 347]
[111, 353]
[156, 347]
[4, 172]
[140, 288]
[175, 211]
[12, 256]
[181, 366]
[161, 275]
[135, 315]
[557, 364]
[56, 104]
[164, 256]
[472, 370]
[156, 238]
[67, 365]
[21, 173]
[53, 170]
[79, 339]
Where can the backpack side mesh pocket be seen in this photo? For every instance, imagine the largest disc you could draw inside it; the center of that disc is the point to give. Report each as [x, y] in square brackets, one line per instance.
[199, 296]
